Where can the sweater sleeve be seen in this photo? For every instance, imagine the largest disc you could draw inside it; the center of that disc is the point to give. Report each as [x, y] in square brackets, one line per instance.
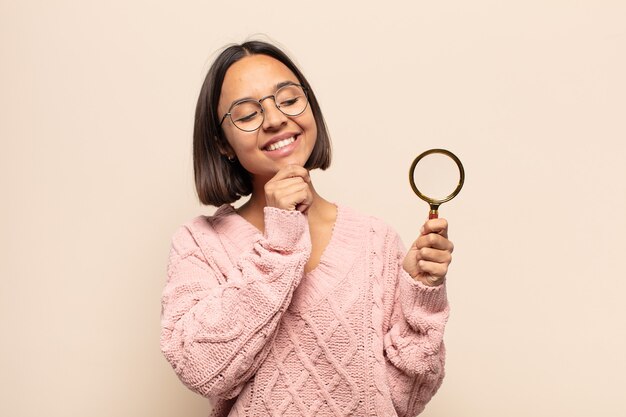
[413, 335]
[216, 330]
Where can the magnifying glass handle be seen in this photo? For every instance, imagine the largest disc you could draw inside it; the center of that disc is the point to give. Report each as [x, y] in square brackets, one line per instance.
[434, 211]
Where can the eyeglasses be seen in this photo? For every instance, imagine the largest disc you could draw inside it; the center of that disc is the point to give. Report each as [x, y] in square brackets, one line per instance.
[248, 115]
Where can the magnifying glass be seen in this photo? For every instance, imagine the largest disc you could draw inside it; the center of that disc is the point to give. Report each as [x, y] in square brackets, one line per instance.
[433, 174]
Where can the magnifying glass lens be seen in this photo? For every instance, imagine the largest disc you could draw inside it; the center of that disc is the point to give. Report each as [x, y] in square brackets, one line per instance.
[436, 176]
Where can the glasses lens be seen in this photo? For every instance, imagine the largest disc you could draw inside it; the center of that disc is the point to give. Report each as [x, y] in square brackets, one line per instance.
[247, 115]
[291, 100]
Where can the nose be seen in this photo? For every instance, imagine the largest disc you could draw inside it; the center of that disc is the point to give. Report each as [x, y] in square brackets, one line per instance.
[273, 116]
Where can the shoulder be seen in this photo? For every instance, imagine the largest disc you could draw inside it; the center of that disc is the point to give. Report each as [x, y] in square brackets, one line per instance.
[188, 236]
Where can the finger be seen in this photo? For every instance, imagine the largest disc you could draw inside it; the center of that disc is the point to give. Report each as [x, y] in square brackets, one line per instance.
[434, 269]
[435, 241]
[294, 192]
[439, 226]
[291, 171]
[293, 196]
[435, 255]
[277, 192]
[303, 207]
[305, 201]
[278, 185]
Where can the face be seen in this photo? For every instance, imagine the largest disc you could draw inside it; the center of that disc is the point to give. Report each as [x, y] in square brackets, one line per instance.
[281, 140]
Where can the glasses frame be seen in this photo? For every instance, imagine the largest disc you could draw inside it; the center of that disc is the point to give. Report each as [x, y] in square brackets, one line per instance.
[260, 102]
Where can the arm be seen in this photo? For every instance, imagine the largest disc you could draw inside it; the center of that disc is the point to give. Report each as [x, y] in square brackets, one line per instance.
[413, 341]
[215, 331]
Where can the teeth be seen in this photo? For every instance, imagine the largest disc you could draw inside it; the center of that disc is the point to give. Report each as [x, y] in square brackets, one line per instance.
[281, 143]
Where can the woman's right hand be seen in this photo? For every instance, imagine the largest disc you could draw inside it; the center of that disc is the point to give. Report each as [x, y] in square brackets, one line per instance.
[290, 189]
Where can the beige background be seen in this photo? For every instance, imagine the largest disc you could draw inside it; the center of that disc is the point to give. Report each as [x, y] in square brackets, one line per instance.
[96, 111]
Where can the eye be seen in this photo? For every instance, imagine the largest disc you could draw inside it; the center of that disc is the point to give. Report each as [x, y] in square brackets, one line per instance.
[245, 112]
[247, 117]
[291, 96]
[289, 101]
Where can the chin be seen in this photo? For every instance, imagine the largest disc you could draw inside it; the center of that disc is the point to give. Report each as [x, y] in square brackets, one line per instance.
[291, 161]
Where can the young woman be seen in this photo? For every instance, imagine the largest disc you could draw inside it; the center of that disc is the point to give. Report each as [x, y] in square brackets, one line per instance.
[291, 305]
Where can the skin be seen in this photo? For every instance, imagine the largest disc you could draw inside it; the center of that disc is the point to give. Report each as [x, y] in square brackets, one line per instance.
[283, 182]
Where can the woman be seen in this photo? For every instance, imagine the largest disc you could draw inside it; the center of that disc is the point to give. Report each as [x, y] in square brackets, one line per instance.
[291, 305]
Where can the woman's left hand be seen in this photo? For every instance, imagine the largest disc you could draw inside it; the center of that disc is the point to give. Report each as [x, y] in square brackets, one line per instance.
[429, 256]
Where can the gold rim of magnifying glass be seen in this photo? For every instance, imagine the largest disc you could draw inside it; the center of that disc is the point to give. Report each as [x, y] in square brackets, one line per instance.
[454, 193]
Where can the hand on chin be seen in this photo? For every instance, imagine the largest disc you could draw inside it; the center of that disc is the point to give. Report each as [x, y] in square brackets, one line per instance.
[291, 160]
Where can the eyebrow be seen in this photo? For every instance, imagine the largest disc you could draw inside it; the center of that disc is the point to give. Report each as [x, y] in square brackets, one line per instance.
[277, 86]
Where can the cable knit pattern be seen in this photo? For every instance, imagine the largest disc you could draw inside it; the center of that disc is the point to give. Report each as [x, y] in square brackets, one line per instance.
[244, 326]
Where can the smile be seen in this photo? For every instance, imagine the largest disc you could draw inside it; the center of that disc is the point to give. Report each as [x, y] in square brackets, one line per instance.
[281, 144]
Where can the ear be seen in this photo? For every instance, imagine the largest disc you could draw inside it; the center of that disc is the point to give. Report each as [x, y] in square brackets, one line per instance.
[224, 148]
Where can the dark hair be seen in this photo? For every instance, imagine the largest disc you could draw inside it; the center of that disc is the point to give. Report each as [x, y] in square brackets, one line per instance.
[219, 181]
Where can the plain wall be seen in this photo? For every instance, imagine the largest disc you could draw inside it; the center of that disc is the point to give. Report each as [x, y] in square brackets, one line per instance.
[96, 116]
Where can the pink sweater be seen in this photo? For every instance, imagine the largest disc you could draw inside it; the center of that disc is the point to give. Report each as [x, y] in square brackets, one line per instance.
[244, 326]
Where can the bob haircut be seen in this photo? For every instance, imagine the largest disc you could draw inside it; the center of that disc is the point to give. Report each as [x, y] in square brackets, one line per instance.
[218, 180]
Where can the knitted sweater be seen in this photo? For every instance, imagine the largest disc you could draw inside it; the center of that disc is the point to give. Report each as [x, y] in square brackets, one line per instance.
[243, 325]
